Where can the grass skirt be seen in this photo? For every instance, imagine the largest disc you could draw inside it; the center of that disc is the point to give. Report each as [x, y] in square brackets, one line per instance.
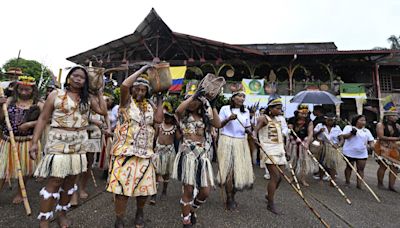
[65, 154]
[302, 163]
[131, 176]
[192, 165]
[164, 158]
[330, 157]
[234, 156]
[7, 163]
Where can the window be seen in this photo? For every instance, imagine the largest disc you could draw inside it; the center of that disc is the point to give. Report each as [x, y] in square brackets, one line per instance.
[386, 82]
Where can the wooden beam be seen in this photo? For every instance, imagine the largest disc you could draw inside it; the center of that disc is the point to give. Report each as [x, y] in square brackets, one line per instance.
[147, 47]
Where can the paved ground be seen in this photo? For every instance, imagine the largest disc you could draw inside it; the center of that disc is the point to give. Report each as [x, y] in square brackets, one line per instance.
[365, 211]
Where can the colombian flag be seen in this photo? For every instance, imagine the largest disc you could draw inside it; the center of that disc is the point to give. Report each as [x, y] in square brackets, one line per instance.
[177, 73]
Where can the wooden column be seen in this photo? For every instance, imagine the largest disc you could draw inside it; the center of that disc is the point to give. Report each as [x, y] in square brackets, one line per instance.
[378, 90]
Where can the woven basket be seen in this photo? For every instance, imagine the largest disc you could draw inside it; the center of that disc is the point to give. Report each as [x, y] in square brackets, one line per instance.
[96, 80]
[212, 85]
[160, 78]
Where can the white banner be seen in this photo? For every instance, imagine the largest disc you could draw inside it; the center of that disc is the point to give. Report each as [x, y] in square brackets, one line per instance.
[288, 107]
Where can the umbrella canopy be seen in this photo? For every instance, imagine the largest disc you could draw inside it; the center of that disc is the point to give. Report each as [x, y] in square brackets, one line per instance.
[315, 97]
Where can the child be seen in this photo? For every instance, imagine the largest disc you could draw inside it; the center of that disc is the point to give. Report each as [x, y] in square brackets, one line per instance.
[164, 150]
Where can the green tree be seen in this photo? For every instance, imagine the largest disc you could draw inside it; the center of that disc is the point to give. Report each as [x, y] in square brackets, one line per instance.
[32, 68]
[29, 67]
[394, 42]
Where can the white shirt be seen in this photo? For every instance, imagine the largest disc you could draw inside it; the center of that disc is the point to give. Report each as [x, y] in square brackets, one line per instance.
[285, 129]
[333, 136]
[356, 146]
[233, 128]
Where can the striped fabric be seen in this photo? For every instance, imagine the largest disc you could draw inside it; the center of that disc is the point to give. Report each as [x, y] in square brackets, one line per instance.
[178, 74]
[7, 164]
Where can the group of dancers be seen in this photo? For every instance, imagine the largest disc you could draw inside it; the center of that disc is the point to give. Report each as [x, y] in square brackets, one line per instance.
[58, 145]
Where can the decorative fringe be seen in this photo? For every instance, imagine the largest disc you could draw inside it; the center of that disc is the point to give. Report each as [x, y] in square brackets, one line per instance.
[234, 156]
[7, 163]
[47, 215]
[192, 170]
[302, 163]
[61, 165]
[164, 158]
[46, 195]
[63, 208]
[387, 161]
[72, 190]
[330, 157]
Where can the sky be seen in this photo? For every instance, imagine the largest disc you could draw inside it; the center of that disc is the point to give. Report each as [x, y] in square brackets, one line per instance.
[49, 31]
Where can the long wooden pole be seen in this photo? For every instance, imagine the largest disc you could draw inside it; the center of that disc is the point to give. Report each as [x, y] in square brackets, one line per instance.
[298, 191]
[354, 169]
[294, 178]
[323, 169]
[16, 157]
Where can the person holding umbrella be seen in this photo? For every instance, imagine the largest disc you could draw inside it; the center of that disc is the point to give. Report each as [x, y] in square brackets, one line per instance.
[298, 143]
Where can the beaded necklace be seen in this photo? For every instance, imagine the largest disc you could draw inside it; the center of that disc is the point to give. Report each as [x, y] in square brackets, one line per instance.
[141, 105]
[169, 131]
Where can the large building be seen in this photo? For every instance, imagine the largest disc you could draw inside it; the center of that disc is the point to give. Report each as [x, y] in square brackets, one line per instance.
[297, 66]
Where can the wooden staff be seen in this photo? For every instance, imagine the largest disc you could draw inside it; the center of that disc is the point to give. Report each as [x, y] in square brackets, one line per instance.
[354, 169]
[93, 178]
[386, 165]
[323, 169]
[16, 157]
[298, 191]
[294, 178]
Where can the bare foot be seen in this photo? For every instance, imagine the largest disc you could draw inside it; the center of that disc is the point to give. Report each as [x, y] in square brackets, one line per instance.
[392, 189]
[18, 199]
[304, 183]
[63, 221]
[272, 208]
[139, 220]
[153, 199]
[83, 194]
[380, 186]
[163, 196]
[359, 186]
[119, 223]
[74, 199]
[44, 224]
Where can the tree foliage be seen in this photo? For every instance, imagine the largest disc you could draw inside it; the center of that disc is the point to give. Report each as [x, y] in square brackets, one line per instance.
[29, 67]
[32, 68]
[394, 42]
